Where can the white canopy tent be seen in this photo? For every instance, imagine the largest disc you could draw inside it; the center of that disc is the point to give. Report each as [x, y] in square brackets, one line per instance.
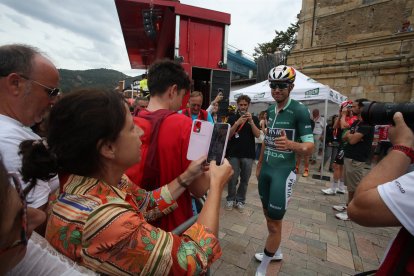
[306, 90]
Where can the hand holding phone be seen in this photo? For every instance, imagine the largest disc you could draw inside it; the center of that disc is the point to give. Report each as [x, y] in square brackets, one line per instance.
[208, 139]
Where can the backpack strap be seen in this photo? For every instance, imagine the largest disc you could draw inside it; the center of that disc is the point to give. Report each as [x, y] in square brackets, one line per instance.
[203, 115]
[151, 166]
[405, 256]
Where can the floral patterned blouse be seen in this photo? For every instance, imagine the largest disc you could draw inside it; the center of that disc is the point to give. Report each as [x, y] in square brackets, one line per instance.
[105, 228]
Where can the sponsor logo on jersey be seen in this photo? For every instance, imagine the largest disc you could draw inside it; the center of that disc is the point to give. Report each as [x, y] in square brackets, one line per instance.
[275, 154]
[400, 187]
[275, 207]
[290, 182]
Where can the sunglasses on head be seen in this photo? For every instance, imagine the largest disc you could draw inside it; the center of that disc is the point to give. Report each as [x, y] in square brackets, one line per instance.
[280, 85]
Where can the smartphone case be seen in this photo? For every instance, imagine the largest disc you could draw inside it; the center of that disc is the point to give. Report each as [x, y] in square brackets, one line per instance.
[218, 144]
[200, 138]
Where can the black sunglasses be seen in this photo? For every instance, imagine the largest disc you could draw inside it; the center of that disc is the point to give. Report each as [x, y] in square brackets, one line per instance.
[280, 85]
[52, 92]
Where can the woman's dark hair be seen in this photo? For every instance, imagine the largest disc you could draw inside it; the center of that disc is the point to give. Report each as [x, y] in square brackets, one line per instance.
[78, 125]
[333, 118]
[4, 189]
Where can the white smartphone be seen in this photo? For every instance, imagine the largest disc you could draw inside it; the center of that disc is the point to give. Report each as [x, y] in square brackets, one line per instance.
[200, 137]
[218, 145]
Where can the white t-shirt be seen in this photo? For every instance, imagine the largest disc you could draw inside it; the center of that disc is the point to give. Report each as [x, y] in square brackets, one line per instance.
[398, 195]
[12, 133]
[319, 126]
[42, 259]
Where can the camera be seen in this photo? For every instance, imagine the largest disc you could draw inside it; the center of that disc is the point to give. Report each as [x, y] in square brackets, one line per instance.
[376, 113]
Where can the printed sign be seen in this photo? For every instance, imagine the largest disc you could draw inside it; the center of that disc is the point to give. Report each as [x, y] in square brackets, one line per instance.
[259, 96]
[311, 93]
[236, 96]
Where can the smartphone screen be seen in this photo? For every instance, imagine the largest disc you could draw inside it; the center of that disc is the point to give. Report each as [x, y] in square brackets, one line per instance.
[218, 144]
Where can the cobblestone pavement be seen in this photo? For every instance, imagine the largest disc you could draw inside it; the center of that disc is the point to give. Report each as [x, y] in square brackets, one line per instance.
[314, 242]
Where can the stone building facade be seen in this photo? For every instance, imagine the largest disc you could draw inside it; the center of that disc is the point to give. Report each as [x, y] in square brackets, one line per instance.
[362, 48]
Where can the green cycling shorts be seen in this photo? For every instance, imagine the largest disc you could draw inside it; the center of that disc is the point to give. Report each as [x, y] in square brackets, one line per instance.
[275, 189]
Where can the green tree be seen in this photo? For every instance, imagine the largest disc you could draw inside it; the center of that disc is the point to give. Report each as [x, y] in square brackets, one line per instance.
[284, 41]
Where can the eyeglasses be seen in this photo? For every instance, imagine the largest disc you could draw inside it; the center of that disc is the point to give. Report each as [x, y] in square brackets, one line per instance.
[195, 105]
[23, 231]
[52, 92]
[280, 85]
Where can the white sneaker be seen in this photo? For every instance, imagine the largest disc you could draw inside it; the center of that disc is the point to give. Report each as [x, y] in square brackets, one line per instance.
[339, 208]
[277, 257]
[329, 191]
[342, 216]
[229, 205]
[341, 191]
[240, 206]
[259, 274]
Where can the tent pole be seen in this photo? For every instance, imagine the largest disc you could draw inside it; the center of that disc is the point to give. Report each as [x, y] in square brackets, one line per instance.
[324, 138]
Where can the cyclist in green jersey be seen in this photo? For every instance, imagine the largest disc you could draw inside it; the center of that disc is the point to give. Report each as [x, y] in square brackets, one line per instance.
[287, 120]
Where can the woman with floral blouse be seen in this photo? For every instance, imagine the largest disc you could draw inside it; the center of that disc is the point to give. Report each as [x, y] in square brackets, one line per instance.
[99, 218]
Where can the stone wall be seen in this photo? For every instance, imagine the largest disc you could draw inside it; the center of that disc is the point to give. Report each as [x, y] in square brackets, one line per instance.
[356, 48]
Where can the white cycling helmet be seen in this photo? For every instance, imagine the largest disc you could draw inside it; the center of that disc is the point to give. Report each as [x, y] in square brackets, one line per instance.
[282, 73]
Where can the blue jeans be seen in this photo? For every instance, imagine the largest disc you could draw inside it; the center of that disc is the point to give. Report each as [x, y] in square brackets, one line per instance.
[242, 167]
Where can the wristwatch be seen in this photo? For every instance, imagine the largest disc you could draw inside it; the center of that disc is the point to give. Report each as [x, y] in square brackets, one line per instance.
[408, 151]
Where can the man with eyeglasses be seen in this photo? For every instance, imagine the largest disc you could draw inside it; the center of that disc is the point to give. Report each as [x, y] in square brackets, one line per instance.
[287, 120]
[194, 111]
[140, 103]
[27, 91]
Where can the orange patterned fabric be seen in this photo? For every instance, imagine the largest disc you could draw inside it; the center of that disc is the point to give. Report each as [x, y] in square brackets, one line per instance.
[105, 229]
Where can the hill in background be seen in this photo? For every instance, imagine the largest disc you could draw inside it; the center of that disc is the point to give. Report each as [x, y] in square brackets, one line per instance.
[93, 78]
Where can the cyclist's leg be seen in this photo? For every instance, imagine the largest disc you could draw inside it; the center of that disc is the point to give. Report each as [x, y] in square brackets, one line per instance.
[264, 187]
[283, 180]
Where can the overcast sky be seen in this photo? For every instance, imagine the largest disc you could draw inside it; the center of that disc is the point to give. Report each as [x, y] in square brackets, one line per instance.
[86, 34]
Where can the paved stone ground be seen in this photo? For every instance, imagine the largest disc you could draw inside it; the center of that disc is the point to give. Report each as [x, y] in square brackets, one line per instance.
[314, 242]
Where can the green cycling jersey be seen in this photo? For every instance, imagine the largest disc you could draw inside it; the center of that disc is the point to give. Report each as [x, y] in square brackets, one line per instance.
[294, 119]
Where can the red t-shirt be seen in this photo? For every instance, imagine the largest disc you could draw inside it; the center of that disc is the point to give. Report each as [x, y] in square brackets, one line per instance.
[401, 243]
[172, 145]
[350, 120]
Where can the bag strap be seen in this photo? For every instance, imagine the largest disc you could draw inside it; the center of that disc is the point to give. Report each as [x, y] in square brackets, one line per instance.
[405, 256]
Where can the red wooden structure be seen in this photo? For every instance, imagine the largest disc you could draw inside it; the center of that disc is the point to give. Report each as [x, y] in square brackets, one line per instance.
[197, 37]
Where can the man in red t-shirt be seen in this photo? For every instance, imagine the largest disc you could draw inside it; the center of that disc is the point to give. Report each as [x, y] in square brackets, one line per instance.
[165, 140]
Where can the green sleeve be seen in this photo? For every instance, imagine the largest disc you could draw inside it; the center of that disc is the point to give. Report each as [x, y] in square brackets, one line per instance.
[303, 124]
